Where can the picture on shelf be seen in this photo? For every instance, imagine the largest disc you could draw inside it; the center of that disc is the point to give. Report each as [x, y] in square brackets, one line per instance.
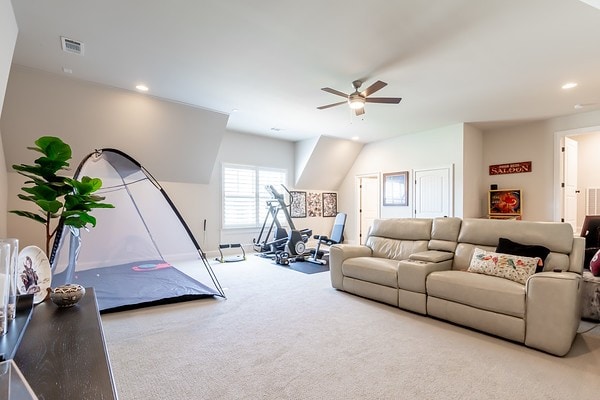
[504, 202]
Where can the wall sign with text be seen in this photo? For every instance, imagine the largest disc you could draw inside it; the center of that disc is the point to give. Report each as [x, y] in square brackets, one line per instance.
[512, 168]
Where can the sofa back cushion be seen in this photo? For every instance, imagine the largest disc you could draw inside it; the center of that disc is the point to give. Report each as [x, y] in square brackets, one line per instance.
[398, 238]
[444, 234]
[485, 234]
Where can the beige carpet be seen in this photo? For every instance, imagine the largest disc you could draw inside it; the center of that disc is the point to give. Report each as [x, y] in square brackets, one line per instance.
[282, 334]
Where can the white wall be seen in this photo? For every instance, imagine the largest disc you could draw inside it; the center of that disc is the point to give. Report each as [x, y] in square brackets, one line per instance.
[533, 142]
[473, 203]
[8, 38]
[430, 149]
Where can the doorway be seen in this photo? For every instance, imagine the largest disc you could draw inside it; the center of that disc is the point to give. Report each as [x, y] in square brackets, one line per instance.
[433, 192]
[575, 165]
[368, 204]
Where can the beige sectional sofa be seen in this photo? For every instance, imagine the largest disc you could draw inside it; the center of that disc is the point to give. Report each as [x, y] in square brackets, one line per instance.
[422, 265]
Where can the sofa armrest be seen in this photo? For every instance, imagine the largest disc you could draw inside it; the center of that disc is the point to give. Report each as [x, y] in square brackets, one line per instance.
[553, 311]
[338, 253]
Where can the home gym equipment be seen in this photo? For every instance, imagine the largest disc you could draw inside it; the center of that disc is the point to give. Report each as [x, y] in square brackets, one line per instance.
[337, 236]
[232, 258]
[292, 243]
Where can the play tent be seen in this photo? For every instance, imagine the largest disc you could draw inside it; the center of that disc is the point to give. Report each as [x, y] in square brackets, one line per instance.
[141, 252]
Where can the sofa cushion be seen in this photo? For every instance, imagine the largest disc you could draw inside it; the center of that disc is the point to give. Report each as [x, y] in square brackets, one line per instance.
[507, 246]
[394, 248]
[381, 271]
[515, 268]
[485, 292]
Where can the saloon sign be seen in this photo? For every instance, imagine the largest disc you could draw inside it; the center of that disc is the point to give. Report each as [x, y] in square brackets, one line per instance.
[513, 168]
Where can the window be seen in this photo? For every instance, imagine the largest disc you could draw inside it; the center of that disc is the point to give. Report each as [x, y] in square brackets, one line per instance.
[245, 196]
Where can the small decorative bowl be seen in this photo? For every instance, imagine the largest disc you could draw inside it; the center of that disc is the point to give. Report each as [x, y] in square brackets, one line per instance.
[67, 295]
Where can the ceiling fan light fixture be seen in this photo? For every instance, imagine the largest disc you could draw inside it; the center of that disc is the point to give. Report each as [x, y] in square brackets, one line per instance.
[356, 102]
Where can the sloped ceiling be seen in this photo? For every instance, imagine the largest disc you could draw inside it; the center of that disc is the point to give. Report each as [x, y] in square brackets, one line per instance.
[322, 164]
[174, 142]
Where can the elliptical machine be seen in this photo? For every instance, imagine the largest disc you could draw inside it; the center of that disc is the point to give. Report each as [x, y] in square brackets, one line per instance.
[285, 246]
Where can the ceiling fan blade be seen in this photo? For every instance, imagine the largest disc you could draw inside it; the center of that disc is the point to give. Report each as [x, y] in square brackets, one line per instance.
[373, 88]
[359, 111]
[331, 105]
[333, 91]
[388, 100]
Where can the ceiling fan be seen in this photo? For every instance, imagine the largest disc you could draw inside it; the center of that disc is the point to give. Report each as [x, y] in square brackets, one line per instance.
[357, 99]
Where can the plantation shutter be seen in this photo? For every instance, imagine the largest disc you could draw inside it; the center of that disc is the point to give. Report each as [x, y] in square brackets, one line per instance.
[244, 194]
[239, 197]
[268, 177]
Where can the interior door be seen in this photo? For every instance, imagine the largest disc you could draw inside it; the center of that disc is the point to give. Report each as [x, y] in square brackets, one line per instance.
[368, 205]
[433, 193]
[569, 182]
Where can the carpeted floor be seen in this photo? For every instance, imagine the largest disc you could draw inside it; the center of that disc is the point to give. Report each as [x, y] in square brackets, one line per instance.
[284, 335]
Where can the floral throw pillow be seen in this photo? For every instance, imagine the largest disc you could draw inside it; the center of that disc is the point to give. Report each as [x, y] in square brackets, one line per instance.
[515, 268]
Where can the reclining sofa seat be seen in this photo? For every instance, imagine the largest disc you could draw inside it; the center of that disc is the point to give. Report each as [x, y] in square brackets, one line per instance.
[372, 270]
[543, 314]
[404, 265]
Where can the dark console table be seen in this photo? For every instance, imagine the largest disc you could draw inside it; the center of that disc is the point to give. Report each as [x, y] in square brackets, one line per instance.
[63, 355]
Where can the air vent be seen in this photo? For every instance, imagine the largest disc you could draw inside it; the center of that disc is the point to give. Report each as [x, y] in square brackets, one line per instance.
[71, 46]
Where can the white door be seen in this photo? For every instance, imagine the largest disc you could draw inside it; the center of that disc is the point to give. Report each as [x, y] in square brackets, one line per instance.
[569, 182]
[433, 193]
[368, 207]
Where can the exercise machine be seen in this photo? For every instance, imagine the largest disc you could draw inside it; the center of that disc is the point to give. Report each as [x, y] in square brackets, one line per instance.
[317, 255]
[231, 258]
[284, 245]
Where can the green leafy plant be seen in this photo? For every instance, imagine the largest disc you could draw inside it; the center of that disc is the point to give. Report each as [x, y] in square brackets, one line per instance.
[58, 197]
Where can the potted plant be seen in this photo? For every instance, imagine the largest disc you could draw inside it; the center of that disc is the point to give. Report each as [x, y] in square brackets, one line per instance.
[56, 196]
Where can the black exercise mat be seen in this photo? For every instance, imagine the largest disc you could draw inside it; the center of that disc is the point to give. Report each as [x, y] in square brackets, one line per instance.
[307, 267]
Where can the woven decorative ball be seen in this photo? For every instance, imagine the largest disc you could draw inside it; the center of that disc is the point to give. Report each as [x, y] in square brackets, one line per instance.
[67, 295]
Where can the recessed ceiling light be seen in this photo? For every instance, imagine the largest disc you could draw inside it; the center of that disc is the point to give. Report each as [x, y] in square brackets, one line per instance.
[569, 85]
[67, 70]
[355, 138]
[142, 88]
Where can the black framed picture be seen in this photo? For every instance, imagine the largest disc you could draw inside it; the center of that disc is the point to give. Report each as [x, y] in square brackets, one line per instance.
[314, 204]
[329, 204]
[298, 204]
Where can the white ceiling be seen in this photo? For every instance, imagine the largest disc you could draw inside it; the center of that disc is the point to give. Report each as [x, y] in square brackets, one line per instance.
[484, 61]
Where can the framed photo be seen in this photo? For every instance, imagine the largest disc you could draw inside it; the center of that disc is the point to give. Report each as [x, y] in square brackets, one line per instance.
[395, 189]
[504, 202]
[314, 204]
[298, 204]
[329, 204]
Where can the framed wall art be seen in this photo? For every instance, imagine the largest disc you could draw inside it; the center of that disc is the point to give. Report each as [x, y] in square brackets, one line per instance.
[314, 204]
[329, 204]
[395, 189]
[505, 202]
[298, 204]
